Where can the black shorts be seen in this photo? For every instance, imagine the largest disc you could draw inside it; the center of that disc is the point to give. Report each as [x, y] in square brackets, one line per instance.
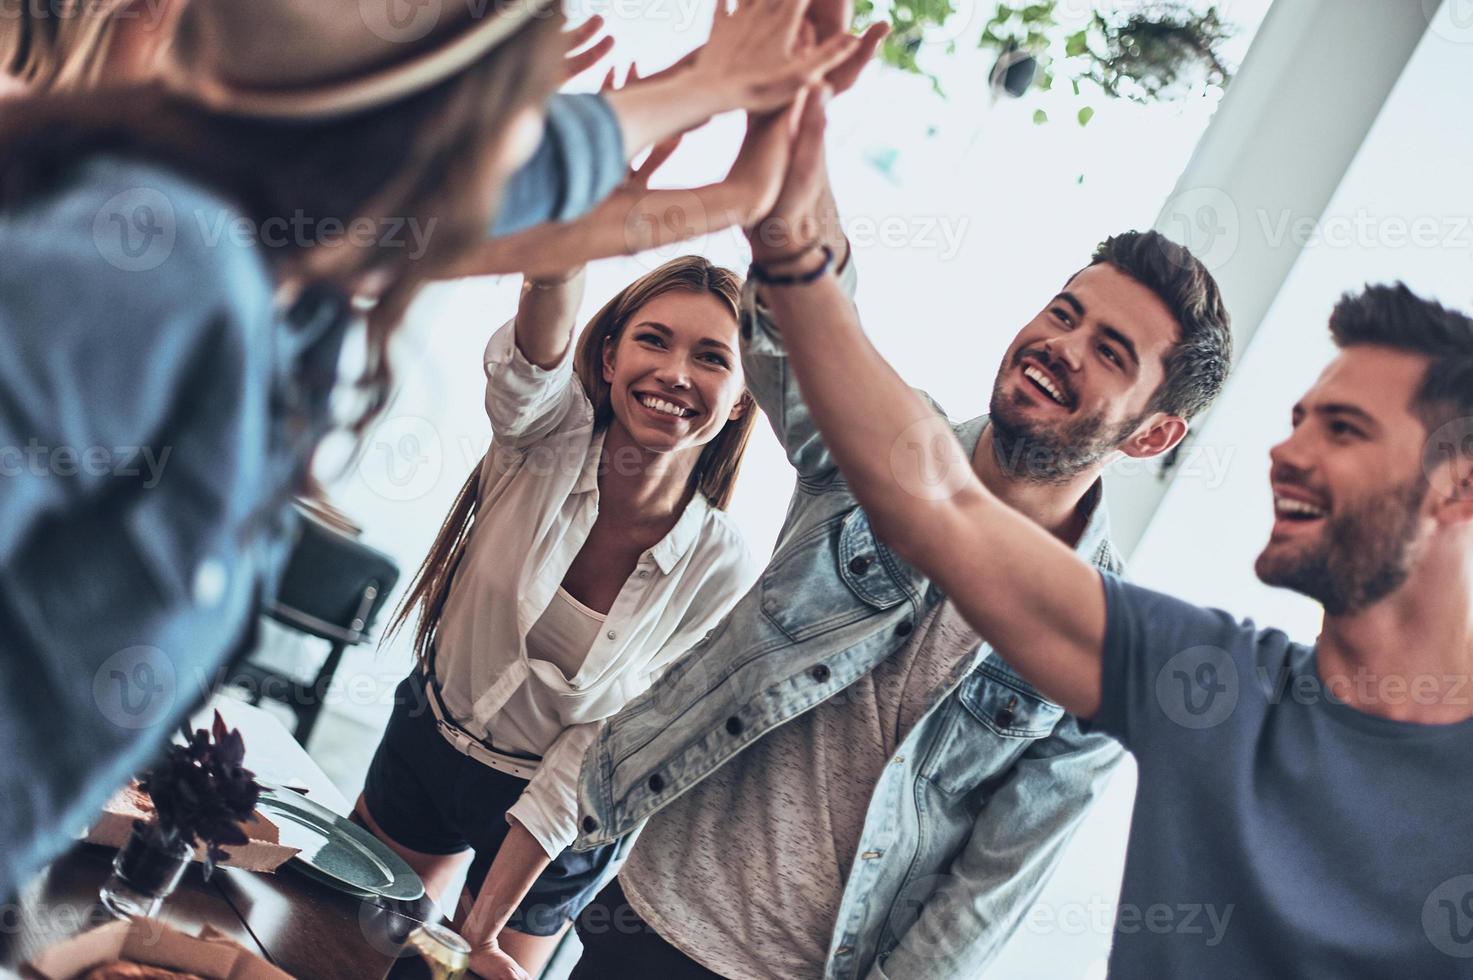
[429, 797]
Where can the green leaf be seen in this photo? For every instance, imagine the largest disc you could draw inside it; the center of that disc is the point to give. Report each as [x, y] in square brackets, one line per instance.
[1039, 117]
[1045, 80]
[1085, 115]
[1074, 83]
[1076, 44]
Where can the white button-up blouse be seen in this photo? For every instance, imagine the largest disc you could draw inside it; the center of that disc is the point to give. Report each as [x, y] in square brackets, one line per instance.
[538, 501]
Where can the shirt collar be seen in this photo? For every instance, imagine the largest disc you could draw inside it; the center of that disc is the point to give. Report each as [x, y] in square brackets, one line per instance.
[1094, 542]
[673, 546]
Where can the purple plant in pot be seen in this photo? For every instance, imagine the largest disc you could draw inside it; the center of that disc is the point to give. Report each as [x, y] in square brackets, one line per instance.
[201, 791]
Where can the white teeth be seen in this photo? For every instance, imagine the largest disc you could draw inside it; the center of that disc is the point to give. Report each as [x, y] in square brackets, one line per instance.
[1285, 505]
[1042, 380]
[661, 405]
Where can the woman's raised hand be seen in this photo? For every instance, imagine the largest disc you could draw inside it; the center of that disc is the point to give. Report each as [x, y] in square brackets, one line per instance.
[576, 62]
[755, 58]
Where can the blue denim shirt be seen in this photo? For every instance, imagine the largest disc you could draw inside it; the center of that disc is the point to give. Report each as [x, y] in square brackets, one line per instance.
[971, 814]
[156, 410]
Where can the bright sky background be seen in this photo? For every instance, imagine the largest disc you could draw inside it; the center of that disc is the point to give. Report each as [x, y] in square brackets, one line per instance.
[966, 217]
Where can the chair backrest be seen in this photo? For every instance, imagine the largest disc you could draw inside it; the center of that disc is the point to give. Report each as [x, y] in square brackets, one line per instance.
[334, 584]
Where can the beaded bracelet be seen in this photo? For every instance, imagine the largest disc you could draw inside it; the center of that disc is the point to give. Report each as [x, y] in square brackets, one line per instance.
[760, 274]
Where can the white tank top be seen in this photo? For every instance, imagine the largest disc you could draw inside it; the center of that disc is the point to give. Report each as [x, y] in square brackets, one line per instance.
[564, 634]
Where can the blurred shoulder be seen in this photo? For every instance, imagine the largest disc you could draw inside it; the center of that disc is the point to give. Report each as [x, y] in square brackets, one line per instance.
[135, 247]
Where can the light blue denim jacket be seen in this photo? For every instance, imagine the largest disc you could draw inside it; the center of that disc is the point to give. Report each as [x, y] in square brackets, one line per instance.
[156, 410]
[971, 814]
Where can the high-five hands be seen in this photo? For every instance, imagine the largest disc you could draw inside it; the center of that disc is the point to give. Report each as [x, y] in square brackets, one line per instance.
[794, 225]
[781, 58]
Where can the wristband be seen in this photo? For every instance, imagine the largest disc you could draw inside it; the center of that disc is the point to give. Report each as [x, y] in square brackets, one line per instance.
[531, 283]
[760, 274]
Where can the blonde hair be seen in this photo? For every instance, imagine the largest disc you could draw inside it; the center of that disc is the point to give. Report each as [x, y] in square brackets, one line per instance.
[714, 474]
[57, 45]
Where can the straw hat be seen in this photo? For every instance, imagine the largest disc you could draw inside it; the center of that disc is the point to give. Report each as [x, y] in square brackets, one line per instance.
[317, 58]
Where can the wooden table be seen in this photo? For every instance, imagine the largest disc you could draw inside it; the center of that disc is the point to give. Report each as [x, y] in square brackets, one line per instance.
[304, 927]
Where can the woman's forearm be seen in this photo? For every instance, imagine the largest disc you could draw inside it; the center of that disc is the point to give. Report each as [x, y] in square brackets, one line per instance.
[622, 225]
[546, 315]
[659, 108]
[518, 863]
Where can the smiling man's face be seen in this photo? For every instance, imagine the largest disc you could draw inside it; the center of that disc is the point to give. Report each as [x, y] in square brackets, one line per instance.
[1349, 488]
[1079, 378]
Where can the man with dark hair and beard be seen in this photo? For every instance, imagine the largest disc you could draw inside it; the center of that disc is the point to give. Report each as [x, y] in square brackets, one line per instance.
[1302, 811]
[845, 779]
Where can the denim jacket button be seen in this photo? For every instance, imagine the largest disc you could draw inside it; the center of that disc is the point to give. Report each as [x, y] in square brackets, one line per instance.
[820, 673]
[860, 565]
[589, 824]
[657, 783]
[734, 725]
[903, 628]
[1006, 716]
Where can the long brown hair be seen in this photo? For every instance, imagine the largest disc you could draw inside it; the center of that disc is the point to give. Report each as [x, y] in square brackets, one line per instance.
[58, 45]
[422, 158]
[714, 474]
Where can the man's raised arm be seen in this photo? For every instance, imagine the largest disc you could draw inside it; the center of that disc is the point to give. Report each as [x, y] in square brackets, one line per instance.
[1041, 607]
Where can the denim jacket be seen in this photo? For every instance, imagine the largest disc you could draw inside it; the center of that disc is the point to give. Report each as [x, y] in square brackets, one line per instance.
[156, 410]
[975, 807]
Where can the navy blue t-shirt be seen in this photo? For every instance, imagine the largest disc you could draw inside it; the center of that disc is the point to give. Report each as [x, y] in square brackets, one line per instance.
[1279, 832]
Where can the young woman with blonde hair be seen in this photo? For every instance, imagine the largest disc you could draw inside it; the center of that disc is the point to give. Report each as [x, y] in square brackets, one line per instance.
[588, 550]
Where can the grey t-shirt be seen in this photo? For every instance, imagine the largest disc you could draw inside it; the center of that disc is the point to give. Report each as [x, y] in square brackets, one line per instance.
[1278, 832]
[745, 872]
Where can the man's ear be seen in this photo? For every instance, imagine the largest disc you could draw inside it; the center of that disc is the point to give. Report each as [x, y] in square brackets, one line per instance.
[1160, 434]
[1452, 482]
[608, 359]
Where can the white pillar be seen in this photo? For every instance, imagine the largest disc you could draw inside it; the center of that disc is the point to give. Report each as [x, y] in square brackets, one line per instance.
[1312, 84]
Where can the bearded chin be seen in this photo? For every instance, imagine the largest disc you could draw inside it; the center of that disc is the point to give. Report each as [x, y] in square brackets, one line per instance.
[1361, 558]
[1048, 454]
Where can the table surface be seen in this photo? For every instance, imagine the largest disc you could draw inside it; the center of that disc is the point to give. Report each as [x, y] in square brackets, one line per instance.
[302, 926]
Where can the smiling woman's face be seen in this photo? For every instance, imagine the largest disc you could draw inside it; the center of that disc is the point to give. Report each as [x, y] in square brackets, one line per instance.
[675, 375]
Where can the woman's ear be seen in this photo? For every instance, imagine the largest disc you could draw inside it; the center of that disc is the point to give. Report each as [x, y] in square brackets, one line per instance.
[742, 407]
[608, 359]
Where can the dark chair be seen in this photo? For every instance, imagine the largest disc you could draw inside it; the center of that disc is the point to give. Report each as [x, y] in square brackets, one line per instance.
[333, 588]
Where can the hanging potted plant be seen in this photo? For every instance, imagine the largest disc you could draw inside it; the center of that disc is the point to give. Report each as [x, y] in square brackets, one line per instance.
[201, 793]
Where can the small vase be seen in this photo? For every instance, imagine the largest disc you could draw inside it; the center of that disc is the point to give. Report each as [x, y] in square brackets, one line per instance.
[145, 872]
